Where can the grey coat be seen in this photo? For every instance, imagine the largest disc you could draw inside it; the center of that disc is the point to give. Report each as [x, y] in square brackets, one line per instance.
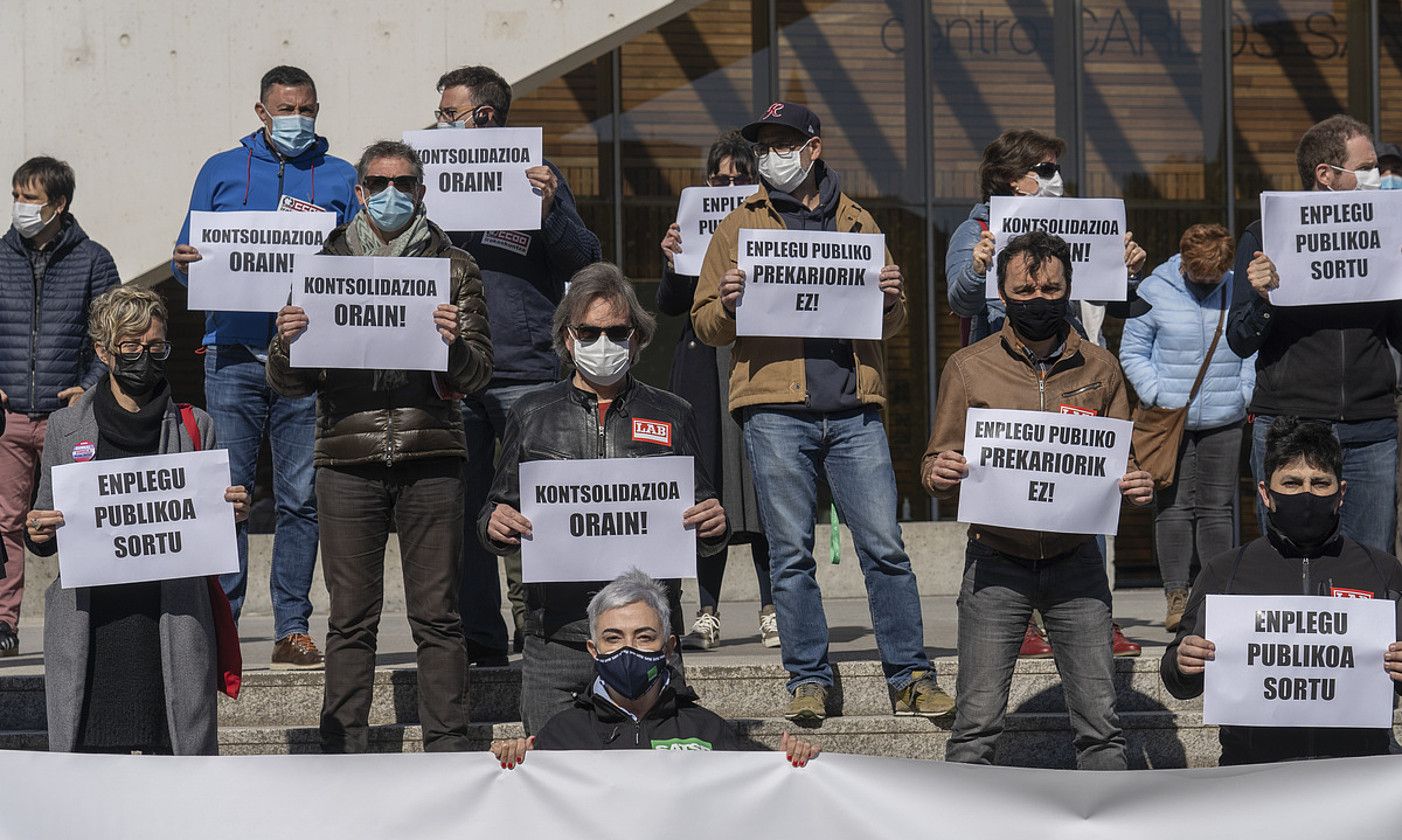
[188, 652]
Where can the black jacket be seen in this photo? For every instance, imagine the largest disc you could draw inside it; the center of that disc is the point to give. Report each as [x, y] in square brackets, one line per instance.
[676, 722]
[1273, 566]
[694, 375]
[1327, 362]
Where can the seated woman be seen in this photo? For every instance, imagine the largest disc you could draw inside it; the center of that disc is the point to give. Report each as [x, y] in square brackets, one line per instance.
[128, 667]
[1303, 553]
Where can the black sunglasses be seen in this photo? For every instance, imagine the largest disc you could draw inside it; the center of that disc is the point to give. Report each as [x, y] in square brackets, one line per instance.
[1046, 170]
[586, 333]
[730, 180]
[377, 183]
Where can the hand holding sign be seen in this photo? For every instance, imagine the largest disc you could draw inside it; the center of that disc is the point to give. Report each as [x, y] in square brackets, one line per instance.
[507, 525]
[544, 183]
[42, 524]
[1137, 487]
[1392, 661]
[891, 283]
[445, 318]
[708, 518]
[184, 255]
[1194, 652]
[1262, 275]
[983, 253]
[1134, 255]
[291, 323]
[732, 286]
[946, 471]
[672, 244]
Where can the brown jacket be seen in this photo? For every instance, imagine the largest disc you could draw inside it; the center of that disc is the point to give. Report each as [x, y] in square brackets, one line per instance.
[998, 372]
[769, 371]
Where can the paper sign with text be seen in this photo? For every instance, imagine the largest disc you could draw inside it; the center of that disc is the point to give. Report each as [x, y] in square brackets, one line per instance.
[811, 284]
[698, 213]
[371, 312]
[594, 519]
[1044, 472]
[157, 517]
[1342, 247]
[249, 258]
[475, 178]
[1094, 228]
[1298, 660]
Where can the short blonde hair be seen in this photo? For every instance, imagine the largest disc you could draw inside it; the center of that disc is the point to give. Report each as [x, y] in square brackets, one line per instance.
[124, 311]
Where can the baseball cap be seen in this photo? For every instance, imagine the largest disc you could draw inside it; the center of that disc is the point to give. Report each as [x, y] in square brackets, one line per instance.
[1387, 150]
[789, 114]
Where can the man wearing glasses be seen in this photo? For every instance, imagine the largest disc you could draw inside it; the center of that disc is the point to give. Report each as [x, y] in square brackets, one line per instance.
[283, 165]
[524, 273]
[389, 445]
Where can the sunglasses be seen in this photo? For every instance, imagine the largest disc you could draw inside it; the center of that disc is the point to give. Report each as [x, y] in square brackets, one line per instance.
[729, 180]
[587, 333]
[377, 183]
[1047, 170]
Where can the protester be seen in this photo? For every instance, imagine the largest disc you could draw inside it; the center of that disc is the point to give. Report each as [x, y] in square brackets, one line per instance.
[1389, 165]
[1162, 352]
[1304, 552]
[600, 328]
[283, 162]
[701, 376]
[1009, 572]
[127, 667]
[812, 406]
[389, 446]
[1325, 362]
[634, 692]
[524, 274]
[49, 272]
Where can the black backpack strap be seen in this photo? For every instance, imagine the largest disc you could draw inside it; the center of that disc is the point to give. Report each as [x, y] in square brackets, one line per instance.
[1231, 576]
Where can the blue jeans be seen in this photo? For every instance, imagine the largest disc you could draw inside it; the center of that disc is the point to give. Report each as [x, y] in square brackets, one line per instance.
[1369, 512]
[244, 408]
[996, 599]
[788, 451]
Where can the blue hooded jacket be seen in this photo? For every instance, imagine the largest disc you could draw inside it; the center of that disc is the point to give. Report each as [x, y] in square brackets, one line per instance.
[254, 176]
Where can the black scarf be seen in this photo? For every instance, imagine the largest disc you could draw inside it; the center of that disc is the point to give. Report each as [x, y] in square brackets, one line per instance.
[127, 434]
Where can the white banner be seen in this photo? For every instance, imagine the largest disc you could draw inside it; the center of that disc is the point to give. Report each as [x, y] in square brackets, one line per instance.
[811, 284]
[249, 258]
[1333, 247]
[1298, 660]
[157, 517]
[476, 177]
[698, 213]
[371, 312]
[1044, 472]
[594, 519]
[1093, 227]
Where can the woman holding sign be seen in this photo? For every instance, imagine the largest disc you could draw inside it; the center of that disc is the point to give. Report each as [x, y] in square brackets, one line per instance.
[128, 667]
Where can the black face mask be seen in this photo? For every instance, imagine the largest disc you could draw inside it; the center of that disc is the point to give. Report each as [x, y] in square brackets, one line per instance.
[141, 376]
[631, 672]
[1305, 519]
[1038, 319]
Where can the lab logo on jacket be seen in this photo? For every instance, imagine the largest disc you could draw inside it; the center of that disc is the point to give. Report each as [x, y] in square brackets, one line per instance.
[652, 431]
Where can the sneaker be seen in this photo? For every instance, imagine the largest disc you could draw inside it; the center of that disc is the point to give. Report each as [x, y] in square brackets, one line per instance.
[768, 627]
[705, 633]
[1034, 643]
[1120, 645]
[1177, 603]
[296, 652]
[922, 697]
[809, 703]
[9, 640]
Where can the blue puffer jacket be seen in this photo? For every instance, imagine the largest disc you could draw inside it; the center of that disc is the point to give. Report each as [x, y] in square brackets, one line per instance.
[255, 177]
[1162, 350]
[967, 291]
[44, 346]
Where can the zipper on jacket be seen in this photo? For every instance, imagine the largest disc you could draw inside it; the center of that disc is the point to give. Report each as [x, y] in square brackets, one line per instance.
[34, 338]
[1343, 372]
[1305, 576]
[389, 438]
[281, 166]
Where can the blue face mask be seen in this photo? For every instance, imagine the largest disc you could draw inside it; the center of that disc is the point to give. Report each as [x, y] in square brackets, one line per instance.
[453, 124]
[390, 209]
[631, 672]
[1391, 182]
[293, 134]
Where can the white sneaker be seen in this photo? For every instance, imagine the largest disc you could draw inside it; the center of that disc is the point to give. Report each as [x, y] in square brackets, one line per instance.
[705, 633]
[768, 627]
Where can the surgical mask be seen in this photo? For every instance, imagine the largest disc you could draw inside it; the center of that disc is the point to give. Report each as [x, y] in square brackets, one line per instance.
[1305, 519]
[1038, 319]
[1390, 182]
[632, 672]
[29, 219]
[390, 209]
[293, 133]
[1366, 179]
[453, 124]
[141, 376]
[603, 361]
[1053, 186]
[784, 172]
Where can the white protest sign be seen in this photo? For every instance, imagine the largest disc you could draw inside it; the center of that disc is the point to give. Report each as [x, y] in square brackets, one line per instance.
[594, 519]
[698, 213]
[1042, 471]
[249, 258]
[1093, 227]
[152, 518]
[476, 177]
[1339, 247]
[371, 312]
[1298, 660]
[811, 284]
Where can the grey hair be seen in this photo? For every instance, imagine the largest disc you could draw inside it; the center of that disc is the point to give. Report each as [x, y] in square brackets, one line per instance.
[631, 587]
[600, 280]
[388, 149]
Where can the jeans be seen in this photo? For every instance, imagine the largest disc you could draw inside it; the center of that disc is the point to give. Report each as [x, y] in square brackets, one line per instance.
[1369, 511]
[424, 501]
[244, 408]
[1196, 510]
[479, 596]
[997, 597]
[20, 451]
[788, 451]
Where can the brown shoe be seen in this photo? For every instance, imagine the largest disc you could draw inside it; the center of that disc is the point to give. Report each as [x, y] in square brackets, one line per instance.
[1177, 603]
[297, 652]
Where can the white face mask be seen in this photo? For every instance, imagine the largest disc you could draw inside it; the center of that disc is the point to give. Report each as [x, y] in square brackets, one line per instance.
[603, 361]
[1366, 179]
[784, 172]
[1053, 186]
[29, 219]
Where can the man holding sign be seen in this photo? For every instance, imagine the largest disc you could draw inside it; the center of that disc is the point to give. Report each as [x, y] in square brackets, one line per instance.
[389, 443]
[1035, 363]
[1304, 552]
